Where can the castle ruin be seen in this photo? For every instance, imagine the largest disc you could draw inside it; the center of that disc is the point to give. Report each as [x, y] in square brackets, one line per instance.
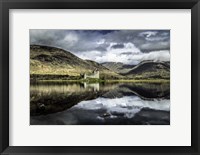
[94, 75]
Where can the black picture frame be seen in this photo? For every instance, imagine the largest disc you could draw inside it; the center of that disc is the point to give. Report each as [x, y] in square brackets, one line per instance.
[5, 5]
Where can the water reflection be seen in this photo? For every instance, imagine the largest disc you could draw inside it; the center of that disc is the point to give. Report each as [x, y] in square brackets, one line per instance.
[99, 103]
[94, 86]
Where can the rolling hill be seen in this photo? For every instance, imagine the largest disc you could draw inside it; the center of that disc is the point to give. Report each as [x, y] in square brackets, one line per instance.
[55, 63]
[118, 67]
[144, 70]
[150, 70]
[50, 62]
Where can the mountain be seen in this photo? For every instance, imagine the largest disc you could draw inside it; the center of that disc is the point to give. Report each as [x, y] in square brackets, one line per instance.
[55, 63]
[51, 62]
[144, 70]
[150, 70]
[118, 67]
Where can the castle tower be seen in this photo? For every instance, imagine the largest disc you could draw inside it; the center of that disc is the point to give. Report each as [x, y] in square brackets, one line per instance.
[95, 74]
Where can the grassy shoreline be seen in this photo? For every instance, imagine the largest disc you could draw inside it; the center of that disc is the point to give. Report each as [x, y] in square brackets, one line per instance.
[112, 81]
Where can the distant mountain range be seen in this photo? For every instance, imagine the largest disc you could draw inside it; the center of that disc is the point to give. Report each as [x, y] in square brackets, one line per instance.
[143, 70]
[118, 67]
[50, 62]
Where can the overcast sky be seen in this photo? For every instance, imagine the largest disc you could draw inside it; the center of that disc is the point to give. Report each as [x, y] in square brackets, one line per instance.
[126, 46]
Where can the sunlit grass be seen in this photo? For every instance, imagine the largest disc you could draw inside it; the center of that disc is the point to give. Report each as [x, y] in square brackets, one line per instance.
[112, 81]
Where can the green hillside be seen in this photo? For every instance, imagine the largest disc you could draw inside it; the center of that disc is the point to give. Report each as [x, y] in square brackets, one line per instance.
[150, 70]
[50, 63]
[54, 63]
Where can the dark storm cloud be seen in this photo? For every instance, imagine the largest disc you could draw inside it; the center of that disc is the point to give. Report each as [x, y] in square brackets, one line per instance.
[101, 45]
[153, 41]
[100, 48]
[126, 53]
[74, 41]
[118, 46]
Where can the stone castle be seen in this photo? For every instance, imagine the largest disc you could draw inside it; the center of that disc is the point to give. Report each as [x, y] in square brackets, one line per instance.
[94, 74]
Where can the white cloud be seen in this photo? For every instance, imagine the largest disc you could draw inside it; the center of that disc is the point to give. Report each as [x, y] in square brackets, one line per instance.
[134, 55]
[126, 46]
[111, 54]
[148, 34]
[71, 38]
[101, 41]
[127, 105]
[154, 56]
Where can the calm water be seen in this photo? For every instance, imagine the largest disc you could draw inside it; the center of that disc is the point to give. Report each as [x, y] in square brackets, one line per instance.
[93, 104]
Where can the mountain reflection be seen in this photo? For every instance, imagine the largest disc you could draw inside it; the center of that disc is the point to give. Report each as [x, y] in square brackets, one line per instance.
[99, 103]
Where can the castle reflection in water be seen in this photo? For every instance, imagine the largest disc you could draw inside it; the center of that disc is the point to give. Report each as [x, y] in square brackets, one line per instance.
[99, 103]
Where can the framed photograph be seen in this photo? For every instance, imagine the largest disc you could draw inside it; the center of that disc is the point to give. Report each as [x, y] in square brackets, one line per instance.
[99, 77]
